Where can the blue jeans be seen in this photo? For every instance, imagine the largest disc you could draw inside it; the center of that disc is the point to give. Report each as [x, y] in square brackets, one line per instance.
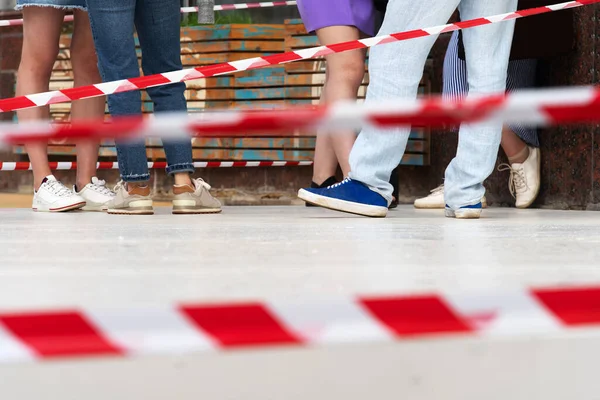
[157, 24]
[396, 70]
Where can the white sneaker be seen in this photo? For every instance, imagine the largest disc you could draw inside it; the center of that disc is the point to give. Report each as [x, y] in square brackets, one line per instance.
[53, 196]
[435, 200]
[96, 195]
[524, 181]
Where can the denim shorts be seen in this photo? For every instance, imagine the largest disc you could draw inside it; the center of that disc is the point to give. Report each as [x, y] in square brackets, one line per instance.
[62, 4]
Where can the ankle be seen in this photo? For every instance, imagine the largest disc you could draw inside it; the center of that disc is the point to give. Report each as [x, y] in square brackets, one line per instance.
[519, 157]
[182, 179]
[322, 182]
[138, 188]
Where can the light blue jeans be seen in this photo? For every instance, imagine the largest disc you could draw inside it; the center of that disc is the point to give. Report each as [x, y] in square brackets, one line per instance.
[396, 69]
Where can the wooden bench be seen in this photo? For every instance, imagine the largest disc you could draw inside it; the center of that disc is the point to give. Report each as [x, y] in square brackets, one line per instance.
[267, 88]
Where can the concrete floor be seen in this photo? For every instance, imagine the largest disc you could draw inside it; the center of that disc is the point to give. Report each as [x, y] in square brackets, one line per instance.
[79, 259]
[97, 259]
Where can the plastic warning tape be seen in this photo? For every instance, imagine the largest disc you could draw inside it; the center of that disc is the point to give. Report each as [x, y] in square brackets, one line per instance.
[68, 165]
[531, 108]
[185, 328]
[223, 7]
[125, 85]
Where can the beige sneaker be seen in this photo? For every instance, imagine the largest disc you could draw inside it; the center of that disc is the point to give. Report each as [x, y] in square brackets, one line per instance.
[195, 200]
[524, 180]
[134, 201]
[435, 200]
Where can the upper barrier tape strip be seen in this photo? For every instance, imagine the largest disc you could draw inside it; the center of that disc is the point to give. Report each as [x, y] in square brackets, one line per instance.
[529, 108]
[126, 331]
[67, 165]
[85, 92]
[184, 10]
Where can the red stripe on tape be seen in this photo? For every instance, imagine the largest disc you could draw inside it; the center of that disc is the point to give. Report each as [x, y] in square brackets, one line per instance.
[240, 325]
[16, 103]
[575, 307]
[417, 33]
[413, 316]
[58, 334]
[105, 165]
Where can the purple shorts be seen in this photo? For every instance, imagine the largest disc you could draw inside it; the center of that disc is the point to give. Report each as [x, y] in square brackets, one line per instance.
[317, 14]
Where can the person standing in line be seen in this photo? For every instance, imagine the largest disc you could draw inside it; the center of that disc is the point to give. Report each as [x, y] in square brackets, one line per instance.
[157, 23]
[43, 22]
[532, 40]
[336, 21]
[396, 70]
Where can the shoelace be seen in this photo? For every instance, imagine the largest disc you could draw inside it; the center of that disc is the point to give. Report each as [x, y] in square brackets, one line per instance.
[517, 182]
[201, 182]
[100, 186]
[58, 188]
[437, 189]
[120, 185]
[339, 183]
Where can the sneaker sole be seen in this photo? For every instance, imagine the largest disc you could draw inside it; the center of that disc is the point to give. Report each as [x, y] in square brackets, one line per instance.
[472, 213]
[97, 208]
[131, 211]
[443, 206]
[71, 207]
[180, 211]
[343, 205]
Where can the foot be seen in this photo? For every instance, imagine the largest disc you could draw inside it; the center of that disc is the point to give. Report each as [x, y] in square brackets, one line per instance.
[435, 200]
[348, 196]
[53, 196]
[131, 201]
[96, 195]
[327, 182]
[465, 212]
[524, 181]
[194, 199]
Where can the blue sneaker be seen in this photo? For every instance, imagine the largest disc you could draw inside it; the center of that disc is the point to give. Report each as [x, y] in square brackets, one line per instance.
[466, 212]
[349, 196]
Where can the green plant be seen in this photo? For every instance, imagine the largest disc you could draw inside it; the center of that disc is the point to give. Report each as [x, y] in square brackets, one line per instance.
[221, 18]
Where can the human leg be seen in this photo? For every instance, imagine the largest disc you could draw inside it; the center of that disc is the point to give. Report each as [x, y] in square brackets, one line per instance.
[85, 71]
[158, 26]
[395, 71]
[112, 23]
[41, 33]
[344, 75]
[487, 51]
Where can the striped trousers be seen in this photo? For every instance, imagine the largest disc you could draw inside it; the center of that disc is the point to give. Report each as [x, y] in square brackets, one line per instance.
[521, 75]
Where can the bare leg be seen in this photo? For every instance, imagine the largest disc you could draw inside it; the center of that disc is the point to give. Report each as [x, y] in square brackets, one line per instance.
[85, 70]
[515, 149]
[345, 72]
[41, 33]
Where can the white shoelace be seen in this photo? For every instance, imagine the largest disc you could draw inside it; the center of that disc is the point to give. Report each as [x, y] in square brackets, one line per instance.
[200, 182]
[437, 190]
[120, 185]
[57, 188]
[99, 186]
[517, 183]
[339, 183]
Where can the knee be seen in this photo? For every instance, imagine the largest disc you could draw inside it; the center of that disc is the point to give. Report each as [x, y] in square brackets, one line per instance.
[85, 66]
[348, 74]
[39, 63]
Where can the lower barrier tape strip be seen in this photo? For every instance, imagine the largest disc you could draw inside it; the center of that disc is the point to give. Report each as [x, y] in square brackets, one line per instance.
[125, 332]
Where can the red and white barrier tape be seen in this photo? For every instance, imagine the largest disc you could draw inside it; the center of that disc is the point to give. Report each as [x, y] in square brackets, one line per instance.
[184, 328]
[533, 108]
[223, 7]
[125, 85]
[67, 165]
